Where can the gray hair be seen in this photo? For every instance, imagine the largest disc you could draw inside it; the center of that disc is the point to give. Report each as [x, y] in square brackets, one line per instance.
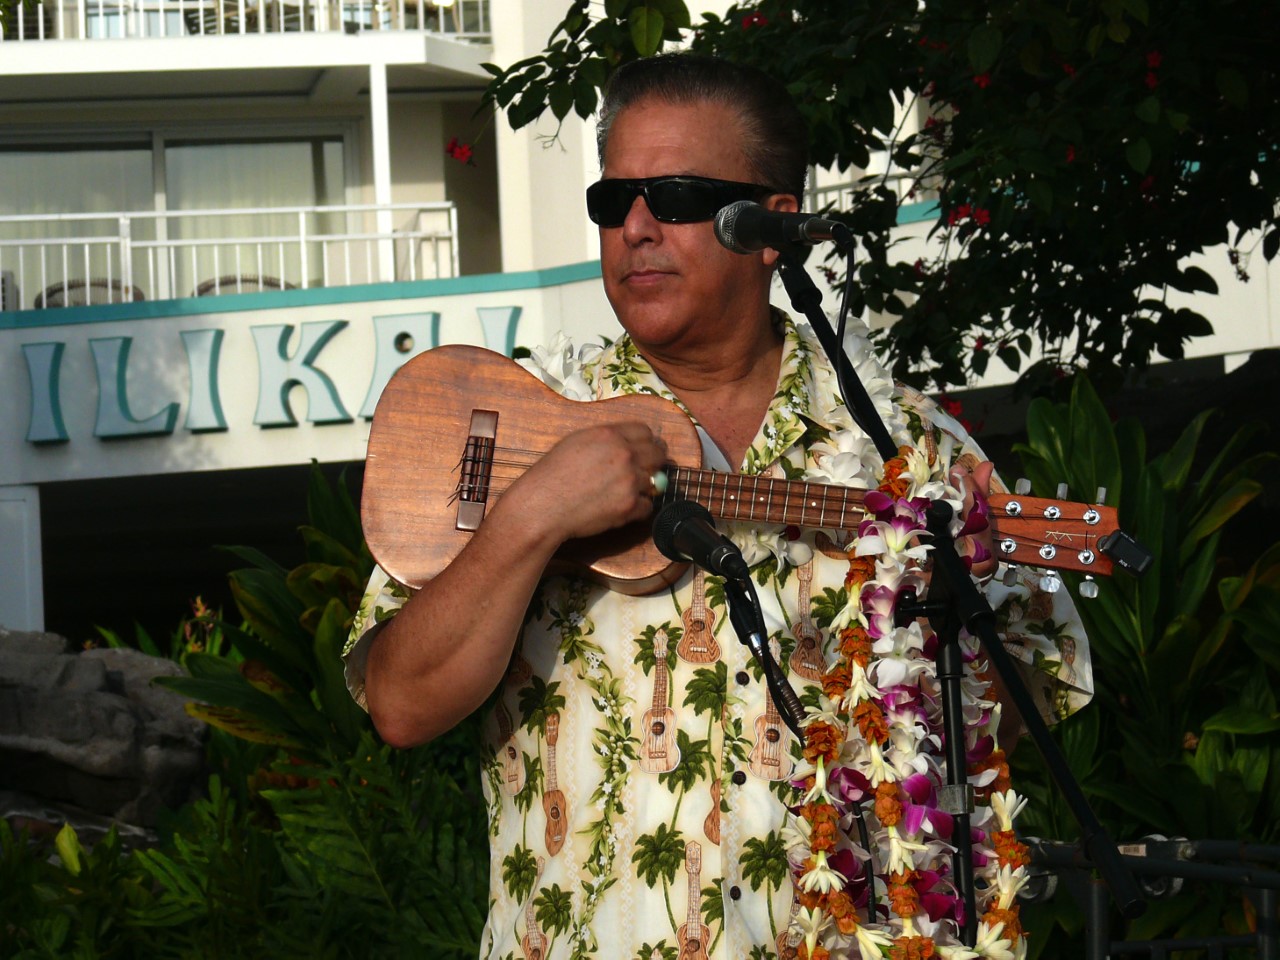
[776, 142]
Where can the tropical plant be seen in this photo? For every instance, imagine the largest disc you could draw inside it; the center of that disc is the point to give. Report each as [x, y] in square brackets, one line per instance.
[1186, 658]
[1078, 154]
[199, 633]
[315, 838]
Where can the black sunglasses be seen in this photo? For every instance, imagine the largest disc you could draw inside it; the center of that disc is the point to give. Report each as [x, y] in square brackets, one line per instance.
[677, 199]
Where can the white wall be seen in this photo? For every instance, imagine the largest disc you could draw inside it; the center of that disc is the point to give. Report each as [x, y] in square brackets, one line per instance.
[21, 571]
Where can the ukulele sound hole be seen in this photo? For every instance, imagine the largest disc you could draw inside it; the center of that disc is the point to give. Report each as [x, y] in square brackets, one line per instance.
[773, 736]
[658, 728]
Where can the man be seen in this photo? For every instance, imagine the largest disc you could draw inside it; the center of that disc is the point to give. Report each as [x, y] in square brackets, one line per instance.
[640, 775]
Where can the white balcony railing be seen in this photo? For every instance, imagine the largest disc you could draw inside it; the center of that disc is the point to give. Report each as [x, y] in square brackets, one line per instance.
[76, 259]
[116, 19]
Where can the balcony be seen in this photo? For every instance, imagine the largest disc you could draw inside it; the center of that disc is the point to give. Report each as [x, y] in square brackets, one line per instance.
[67, 260]
[36, 20]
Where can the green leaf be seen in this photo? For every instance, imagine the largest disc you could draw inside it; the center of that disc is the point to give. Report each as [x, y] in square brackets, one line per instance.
[69, 850]
[1040, 194]
[1233, 87]
[1226, 506]
[647, 24]
[1138, 153]
[560, 99]
[984, 47]
[1148, 111]
[1243, 720]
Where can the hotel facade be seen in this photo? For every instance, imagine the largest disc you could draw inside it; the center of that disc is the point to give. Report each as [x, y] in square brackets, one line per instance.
[225, 223]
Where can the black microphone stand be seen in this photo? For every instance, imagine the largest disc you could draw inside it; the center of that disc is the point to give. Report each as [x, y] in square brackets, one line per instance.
[954, 602]
[748, 623]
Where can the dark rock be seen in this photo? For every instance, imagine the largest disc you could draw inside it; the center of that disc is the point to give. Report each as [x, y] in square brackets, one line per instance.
[92, 730]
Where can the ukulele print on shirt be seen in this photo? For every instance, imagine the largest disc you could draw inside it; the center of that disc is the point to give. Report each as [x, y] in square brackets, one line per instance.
[693, 933]
[534, 941]
[806, 659]
[513, 776]
[698, 645]
[770, 759]
[553, 797]
[659, 752]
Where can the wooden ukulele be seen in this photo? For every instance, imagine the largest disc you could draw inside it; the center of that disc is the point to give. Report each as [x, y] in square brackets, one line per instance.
[786, 944]
[457, 425]
[806, 659]
[769, 759]
[693, 933]
[711, 825]
[512, 761]
[553, 798]
[698, 643]
[534, 941]
[659, 752]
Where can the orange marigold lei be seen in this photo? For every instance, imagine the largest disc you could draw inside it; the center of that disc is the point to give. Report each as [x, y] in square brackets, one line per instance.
[1009, 849]
[997, 762]
[912, 948]
[903, 897]
[1012, 924]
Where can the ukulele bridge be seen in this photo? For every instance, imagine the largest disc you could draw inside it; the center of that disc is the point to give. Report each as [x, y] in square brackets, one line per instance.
[476, 469]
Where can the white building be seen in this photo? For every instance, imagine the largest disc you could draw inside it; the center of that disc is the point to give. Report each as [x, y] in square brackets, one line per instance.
[223, 225]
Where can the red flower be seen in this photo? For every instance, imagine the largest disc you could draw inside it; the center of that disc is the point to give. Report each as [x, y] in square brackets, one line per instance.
[979, 344]
[1071, 152]
[1147, 183]
[982, 80]
[951, 407]
[756, 19]
[459, 151]
[918, 266]
[981, 216]
[1068, 69]
[1154, 59]
[1152, 81]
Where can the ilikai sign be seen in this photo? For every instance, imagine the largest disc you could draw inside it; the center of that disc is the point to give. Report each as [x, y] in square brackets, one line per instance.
[288, 356]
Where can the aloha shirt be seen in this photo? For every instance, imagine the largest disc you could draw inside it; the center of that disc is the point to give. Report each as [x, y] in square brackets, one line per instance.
[635, 770]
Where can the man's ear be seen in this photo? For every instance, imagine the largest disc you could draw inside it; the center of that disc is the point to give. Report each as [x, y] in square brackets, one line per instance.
[783, 203]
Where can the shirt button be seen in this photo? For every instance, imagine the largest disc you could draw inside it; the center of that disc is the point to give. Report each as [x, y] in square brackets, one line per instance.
[739, 777]
[743, 677]
[735, 893]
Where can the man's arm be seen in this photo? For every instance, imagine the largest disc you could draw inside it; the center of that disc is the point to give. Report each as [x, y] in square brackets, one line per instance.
[442, 655]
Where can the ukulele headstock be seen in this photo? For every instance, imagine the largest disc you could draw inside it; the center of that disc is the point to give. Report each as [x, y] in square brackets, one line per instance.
[1056, 534]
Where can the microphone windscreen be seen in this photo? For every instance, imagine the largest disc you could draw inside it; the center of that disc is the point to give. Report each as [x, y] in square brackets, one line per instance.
[668, 519]
[726, 225]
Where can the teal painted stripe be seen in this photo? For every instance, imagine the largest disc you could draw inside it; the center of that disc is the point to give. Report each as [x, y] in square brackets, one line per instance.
[319, 296]
[916, 212]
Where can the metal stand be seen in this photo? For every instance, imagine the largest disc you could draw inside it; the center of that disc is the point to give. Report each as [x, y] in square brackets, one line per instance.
[954, 602]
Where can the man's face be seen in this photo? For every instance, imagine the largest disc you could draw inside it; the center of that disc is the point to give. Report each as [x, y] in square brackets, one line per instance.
[673, 284]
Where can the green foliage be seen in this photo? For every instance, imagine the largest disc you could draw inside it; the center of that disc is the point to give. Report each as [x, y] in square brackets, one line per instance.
[315, 839]
[200, 633]
[1181, 740]
[1078, 155]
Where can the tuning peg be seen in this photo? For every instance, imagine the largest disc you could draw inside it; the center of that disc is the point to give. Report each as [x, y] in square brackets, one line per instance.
[1050, 582]
[1010, 578]
[1089, 587]
[1022, 487]
[1101, 496]
[1062, 491]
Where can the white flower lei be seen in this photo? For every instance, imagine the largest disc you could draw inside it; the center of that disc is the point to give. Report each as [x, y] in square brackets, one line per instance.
[875, 737]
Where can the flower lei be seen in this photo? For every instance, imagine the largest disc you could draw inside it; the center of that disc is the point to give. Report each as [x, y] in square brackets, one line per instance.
[875, 740]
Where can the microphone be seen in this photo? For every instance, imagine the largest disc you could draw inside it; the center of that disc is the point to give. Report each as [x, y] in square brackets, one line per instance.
[683, 530]
[745, 227]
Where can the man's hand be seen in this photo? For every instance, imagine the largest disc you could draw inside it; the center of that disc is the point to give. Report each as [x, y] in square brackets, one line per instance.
[593, 480]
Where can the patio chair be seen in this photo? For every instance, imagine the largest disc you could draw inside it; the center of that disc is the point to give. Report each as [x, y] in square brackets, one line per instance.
[79, 293]
[240, 284]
